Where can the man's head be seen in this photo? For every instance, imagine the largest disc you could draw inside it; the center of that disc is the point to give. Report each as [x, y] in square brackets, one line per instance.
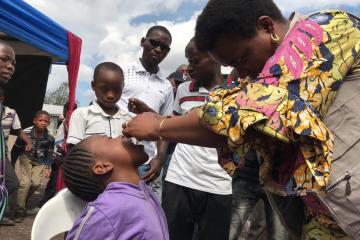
[7, 62]
[176, 78]
[108, 83]
[95, 161]
[156, 45]
[41, 120]
[238, 33]
[183, 69]
[202, 68]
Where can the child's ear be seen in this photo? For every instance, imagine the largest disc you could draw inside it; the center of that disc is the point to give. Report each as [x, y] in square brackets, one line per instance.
[101, 168]
[34, 120]
[93, 85]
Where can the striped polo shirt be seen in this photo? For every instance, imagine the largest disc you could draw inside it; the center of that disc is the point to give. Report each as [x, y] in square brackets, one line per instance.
[193, 166]
[10, 120]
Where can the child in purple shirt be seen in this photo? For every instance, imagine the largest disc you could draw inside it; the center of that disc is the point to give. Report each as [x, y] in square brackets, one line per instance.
[104, 170]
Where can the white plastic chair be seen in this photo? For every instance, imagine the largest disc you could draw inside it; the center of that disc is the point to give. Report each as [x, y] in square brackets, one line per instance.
[57, 215]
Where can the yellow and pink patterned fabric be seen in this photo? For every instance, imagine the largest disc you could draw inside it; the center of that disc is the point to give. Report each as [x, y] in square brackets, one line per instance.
[279, 114]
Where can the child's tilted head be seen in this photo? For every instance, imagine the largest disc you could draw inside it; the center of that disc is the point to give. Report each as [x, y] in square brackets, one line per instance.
[99, 160]
[108, 83]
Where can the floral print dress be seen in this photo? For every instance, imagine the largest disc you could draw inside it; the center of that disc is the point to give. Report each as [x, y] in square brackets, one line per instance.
[280, 113]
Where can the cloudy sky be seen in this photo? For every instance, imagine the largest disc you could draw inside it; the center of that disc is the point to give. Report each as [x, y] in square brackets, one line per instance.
[111, 29]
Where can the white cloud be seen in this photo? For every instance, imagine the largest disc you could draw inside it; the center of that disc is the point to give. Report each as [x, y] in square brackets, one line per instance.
[104, 26]
[58, 74]
[290, 6]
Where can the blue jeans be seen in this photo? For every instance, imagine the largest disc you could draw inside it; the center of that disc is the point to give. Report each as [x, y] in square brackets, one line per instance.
[246, 195]
[156, 184]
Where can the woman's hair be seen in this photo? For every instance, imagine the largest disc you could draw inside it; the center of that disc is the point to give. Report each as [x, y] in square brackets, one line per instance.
[78, 175]
[228, 17]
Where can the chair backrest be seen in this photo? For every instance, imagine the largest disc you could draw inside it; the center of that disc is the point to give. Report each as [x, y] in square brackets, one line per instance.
[57, 215]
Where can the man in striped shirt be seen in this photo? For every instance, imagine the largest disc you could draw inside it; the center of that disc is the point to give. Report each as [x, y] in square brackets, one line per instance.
[10, 123]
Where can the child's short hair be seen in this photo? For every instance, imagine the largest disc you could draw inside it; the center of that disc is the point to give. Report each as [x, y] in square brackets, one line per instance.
[41, 112]
[77, 172]
[108, 66]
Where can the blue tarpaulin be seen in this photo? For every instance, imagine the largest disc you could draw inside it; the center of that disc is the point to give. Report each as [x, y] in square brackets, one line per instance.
[21, 21]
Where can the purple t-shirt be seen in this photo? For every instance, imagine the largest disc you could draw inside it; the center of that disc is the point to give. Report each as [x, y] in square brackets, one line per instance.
[123, 211]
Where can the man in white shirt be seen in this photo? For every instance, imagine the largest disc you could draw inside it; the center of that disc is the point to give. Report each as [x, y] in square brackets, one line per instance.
[197, 191]
[144, 81]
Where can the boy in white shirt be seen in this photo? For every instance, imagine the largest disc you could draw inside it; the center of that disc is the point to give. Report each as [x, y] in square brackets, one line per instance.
[103, 116]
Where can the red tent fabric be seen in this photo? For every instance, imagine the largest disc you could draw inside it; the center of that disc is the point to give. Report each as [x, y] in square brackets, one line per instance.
[73, 70]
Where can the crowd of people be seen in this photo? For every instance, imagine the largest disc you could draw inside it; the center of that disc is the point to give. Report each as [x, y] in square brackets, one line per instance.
[267, 152]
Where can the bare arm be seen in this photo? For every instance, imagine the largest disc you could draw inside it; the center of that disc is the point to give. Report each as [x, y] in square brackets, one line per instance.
[20, 134]
[182, 129]
[157, 162]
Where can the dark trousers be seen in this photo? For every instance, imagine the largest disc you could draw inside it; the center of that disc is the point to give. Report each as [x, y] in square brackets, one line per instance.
[187, 209]
[12, 185]
[246, 195]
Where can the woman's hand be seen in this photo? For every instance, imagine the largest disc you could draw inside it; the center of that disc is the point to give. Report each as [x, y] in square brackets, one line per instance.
[143, 127]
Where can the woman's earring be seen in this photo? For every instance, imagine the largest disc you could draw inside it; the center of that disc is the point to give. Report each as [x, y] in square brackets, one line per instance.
[274, 38]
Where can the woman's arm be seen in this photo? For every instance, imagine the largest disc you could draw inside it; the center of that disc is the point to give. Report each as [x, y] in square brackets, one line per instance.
[182, 129]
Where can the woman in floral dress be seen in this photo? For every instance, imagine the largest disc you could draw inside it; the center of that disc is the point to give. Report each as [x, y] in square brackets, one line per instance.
[291, 71]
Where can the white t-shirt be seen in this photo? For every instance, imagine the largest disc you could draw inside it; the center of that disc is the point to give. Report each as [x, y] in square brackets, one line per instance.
[153, 89]
[92, 120]
[193, 166]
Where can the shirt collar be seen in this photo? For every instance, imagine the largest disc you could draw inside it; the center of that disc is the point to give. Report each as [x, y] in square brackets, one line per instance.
[95, 108]
[140, 68]
[193, 87]
[43, 137]
[128, 188]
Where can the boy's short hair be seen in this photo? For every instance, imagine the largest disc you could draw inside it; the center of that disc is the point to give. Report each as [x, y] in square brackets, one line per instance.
[107, 66]
[41, 112]
[160, 28]
[78, 175]
[220, 18]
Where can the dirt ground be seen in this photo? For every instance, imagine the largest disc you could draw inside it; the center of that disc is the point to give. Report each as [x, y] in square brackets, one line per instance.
[22, 231]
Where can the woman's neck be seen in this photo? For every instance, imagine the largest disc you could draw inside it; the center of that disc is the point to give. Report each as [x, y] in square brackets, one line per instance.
[283, 28]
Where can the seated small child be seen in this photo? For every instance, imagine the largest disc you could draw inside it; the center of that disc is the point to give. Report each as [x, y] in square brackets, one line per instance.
[104, 170]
